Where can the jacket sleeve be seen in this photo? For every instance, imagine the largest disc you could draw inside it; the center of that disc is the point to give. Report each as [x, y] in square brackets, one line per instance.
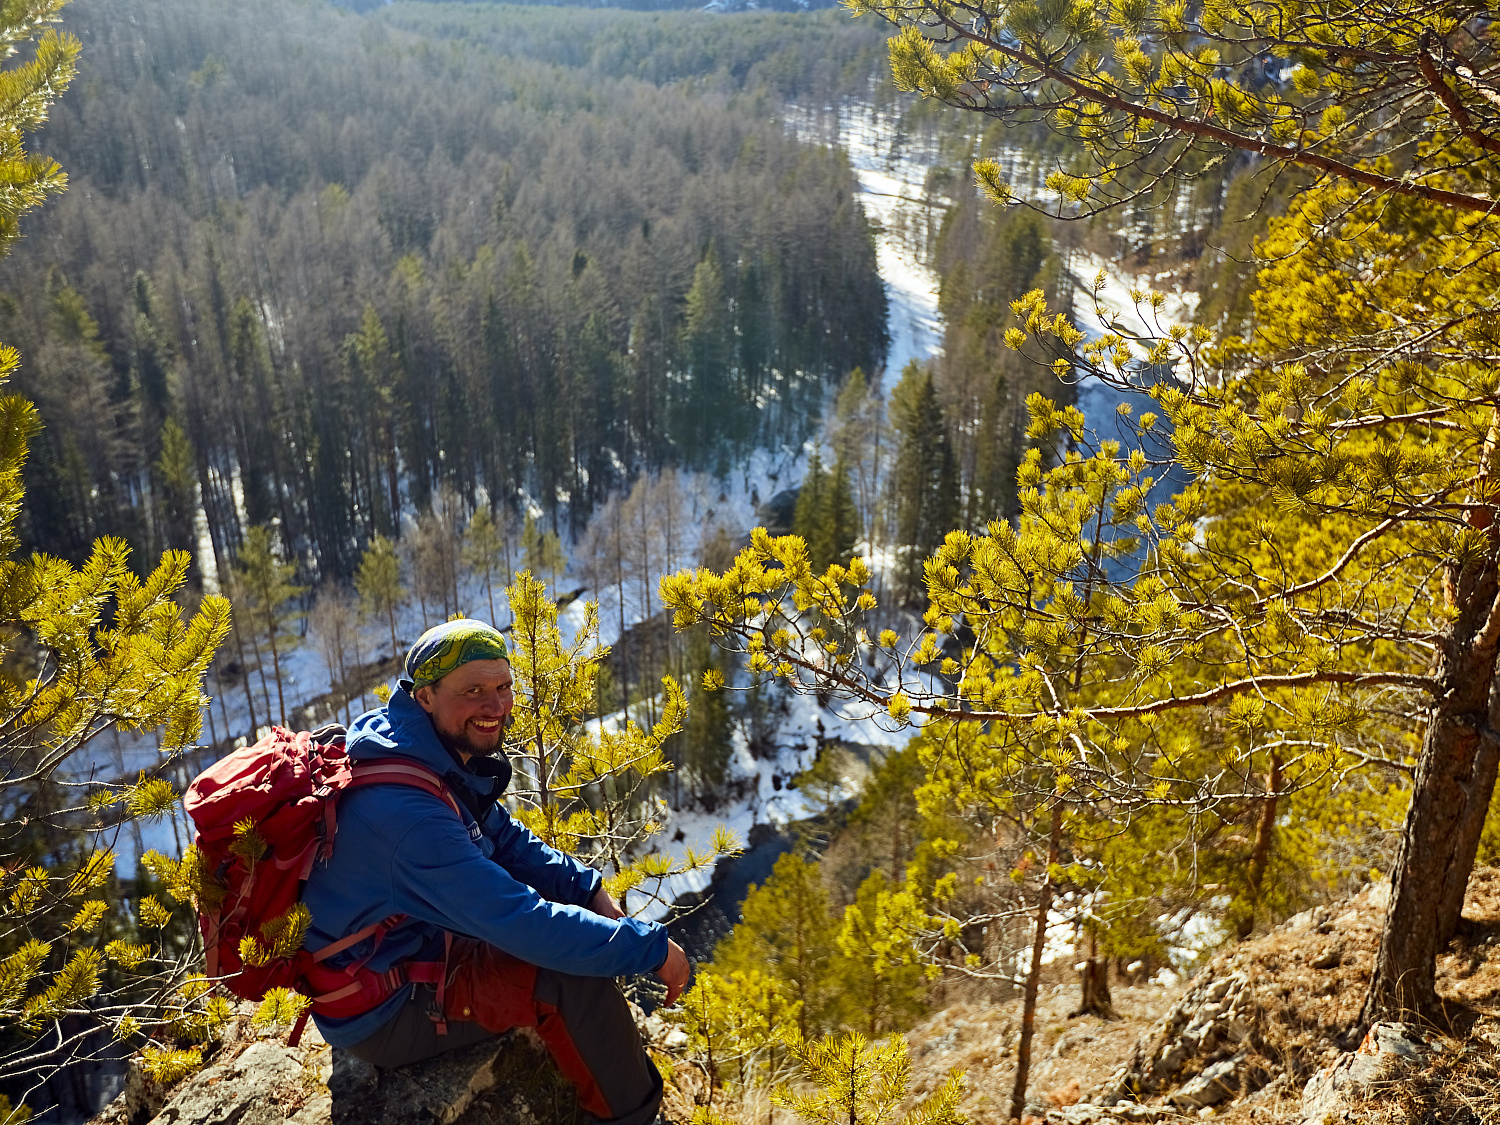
[439, 876]
[556, 876]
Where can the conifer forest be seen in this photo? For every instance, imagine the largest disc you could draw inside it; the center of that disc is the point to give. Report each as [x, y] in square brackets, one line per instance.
[992, 506]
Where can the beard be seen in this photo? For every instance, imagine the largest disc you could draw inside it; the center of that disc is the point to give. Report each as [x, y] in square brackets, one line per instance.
[459, 742]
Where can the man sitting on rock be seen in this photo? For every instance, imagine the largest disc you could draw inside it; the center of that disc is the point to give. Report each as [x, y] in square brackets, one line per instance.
[529, 936]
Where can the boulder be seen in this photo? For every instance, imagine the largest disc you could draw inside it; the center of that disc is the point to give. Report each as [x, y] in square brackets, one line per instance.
[1217, 1083]
[1388, 1051]
[505, 1081]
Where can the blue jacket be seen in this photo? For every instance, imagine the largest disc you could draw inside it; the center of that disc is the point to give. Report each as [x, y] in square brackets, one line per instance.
[402, 851]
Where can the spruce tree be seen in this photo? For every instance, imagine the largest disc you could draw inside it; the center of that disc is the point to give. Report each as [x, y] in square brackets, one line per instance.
[825, 515]
[708, 732]
[177, 472]
[924, 481]
[812, 507]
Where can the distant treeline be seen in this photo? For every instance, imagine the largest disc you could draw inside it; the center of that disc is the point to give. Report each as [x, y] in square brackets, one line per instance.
[314, 265]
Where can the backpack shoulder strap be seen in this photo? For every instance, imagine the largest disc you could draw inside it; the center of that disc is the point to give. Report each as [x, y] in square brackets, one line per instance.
[403, 771]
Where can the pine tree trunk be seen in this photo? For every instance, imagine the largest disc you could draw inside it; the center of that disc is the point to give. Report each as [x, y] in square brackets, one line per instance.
[1260, 854]
[1034, 974]
[1450, 797]
[1094, 981]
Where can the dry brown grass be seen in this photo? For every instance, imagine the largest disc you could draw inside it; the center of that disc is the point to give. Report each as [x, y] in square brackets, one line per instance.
[977, 1034]
[1308, 982]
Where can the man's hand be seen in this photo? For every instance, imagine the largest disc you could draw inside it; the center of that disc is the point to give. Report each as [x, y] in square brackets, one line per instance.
[674, 972]
[605, 906]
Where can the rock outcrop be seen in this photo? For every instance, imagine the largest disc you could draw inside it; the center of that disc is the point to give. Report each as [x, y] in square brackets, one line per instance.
[506, 1081]
[1202, 1053]
[1388, 1052]
[1263, 1014]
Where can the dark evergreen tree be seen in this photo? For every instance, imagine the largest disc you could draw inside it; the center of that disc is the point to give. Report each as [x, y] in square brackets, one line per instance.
[924, 482]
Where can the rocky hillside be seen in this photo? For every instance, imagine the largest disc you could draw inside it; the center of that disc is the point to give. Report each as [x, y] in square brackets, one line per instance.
[1254, 1038]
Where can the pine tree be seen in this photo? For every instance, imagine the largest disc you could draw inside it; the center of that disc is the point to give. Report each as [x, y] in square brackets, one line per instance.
[378, 583]
[267, 581]
[542, 551]
[855, 1083]
[481, 552]
[1313, 413]
[788, 931]
[735, 1025]
[879, 968]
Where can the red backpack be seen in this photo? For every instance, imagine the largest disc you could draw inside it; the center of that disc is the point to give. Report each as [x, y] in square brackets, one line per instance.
[265, 814]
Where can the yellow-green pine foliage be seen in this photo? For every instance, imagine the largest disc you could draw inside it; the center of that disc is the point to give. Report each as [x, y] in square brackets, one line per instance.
[788, 932]
[280, 1008]
[735, 1023]
[84, 648]
[587, 788]
[169, 1065]
[854, 1082]
[880, 967]
[1142, 89]
[26, 92]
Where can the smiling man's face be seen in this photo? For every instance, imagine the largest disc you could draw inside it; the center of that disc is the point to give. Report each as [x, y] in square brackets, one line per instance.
[469, 706]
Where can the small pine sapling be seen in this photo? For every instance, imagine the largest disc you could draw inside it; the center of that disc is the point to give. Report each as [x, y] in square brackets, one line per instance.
[847, 1081]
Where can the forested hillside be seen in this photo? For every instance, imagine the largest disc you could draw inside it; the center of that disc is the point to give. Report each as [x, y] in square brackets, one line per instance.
[314, 265]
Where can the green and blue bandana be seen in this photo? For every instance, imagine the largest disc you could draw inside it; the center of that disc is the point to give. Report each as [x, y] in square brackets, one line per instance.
[444, 647]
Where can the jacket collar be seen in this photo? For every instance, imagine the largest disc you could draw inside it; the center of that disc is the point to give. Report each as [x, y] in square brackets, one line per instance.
[402, 729]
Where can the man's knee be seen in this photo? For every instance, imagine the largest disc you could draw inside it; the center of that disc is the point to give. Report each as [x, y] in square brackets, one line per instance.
[599, 997]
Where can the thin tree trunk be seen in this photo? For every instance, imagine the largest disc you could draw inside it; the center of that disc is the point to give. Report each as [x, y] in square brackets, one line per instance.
[1034, 974]
[223, 707]
[1450, 797]
[390, 613]
[1260, 854]
[276, 665]
[393, 481]
[239, 644]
